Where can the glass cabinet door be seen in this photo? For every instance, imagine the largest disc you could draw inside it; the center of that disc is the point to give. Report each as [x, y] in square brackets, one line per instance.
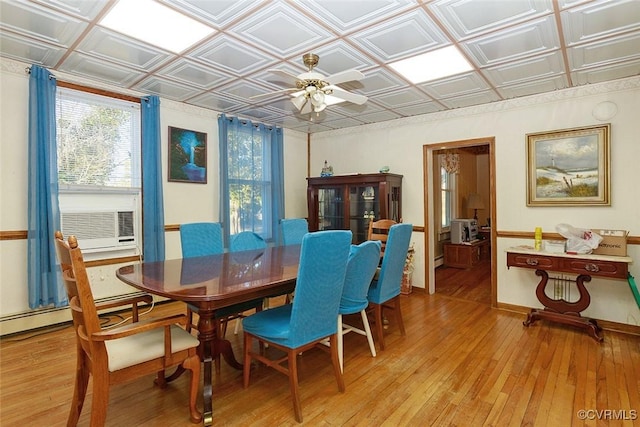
[364, 206]
[330, 209]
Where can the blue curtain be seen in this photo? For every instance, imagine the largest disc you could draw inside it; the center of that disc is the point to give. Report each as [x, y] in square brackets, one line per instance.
[152, 201]
[251, 155]
[43, 273]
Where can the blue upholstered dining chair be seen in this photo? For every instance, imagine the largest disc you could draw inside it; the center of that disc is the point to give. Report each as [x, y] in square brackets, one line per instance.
[293, 230]
[310, 318]
[385, 289]
[361, 267]
[202, 239]
[246, 241]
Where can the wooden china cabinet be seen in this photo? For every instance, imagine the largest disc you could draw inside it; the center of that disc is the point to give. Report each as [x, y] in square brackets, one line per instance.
[349, 202]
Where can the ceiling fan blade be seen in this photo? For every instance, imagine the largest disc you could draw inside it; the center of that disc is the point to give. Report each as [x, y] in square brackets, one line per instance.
[273, 93]
[347, 96]
[344, 76]
[289, 78]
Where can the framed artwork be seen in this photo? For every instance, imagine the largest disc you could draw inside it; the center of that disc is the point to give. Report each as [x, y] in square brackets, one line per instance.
[569, 167]
[187, 156]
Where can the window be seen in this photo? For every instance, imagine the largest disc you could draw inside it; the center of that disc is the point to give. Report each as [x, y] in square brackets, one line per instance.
[447, 181]
[252, 177]
[98, 142]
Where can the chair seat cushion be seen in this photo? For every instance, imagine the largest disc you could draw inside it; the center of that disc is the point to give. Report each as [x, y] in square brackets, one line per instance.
[272, 324]
[139, 348]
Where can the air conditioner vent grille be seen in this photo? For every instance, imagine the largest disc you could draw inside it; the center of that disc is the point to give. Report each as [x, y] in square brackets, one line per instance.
[125, 224]
[88, 225]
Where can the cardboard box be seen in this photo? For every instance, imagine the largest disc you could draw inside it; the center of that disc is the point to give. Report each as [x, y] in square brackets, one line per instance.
[614, 242]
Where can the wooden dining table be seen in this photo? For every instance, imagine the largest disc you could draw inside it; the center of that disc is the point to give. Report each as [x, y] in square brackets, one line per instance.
[214, 282]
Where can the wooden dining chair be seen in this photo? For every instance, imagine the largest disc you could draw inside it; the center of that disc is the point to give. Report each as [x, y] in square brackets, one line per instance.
[379, 230]
[311, 317]
[384, 291]
[120, 354]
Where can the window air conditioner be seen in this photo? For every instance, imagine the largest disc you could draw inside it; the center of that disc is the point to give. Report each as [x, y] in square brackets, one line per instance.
[101, 231]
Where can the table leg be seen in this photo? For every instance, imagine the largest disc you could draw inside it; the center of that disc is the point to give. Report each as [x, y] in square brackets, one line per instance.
[211, 346]
[562, 311]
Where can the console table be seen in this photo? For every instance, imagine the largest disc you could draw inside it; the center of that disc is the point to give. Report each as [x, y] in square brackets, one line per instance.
[585, 266]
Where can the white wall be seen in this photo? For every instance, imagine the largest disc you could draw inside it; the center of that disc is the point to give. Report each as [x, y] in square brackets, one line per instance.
[183, 202]
[399, 144]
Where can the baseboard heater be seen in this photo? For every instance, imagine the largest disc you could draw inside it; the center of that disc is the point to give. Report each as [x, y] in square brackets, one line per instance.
[35, 319]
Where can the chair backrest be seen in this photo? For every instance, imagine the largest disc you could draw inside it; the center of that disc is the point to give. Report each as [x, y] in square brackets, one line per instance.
[321, 272]
[293, 230]
[83, 308]
[363, 262]
[379, 230]
[246, 241]
[389, 280]
[201, 239]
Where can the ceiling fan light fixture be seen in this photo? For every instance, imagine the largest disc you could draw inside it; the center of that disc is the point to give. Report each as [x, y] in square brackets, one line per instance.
[299, 101]
[317, 99]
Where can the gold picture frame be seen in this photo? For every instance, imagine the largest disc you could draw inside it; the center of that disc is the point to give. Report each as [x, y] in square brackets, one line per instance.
[569, 167]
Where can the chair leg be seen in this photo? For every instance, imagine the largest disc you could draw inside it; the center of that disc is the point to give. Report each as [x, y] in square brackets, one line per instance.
[80, 387]
[292, 361]
[340, 343]
[100, 399]
[192, 363]
[398, 313]
[336, 364]
[246, 368]
[367, 329]
[377, 314]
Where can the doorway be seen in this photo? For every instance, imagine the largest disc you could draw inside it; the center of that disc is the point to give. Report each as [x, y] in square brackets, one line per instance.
[433, 236]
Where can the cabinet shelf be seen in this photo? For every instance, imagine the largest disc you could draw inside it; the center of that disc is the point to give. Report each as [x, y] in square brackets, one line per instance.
[349, 202]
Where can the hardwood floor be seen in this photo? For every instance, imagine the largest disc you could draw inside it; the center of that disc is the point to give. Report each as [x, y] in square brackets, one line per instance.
[460, 364]
[472, 284]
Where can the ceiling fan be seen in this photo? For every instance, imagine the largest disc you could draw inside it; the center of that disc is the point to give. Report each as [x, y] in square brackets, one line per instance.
[312, 87]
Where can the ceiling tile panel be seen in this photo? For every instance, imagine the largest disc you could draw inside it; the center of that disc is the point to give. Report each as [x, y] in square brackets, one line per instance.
[472, 99]
[195, 74]
[281, 29]
[216, 13]
[346, 16]
[165, 88]
[380, 116]
[533, 38]
[422, 108]
[215, 101]
[530, 88]
[403, 36]
[37, 22]
[376, 81]
[400, 98]
[618, 49]
[96, 69]
[115, 47]
[604, 18]
[339, 56]
[538, 67]
[606, 73]
[83, 9]
[455, 86]
[470, 18]
[231, 56]
[31, 51]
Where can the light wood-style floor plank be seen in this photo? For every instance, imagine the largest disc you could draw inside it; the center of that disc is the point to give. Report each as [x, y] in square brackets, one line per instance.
[460, 364]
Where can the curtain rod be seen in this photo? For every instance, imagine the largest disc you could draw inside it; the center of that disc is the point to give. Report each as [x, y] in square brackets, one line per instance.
[96, 91]
[245, 121]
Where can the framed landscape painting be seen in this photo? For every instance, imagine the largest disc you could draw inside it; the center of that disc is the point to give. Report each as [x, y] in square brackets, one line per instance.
[569, 167]
[187, 156]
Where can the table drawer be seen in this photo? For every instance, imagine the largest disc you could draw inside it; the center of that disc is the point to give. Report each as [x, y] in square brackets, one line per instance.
[616, 270]
[532, 261]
